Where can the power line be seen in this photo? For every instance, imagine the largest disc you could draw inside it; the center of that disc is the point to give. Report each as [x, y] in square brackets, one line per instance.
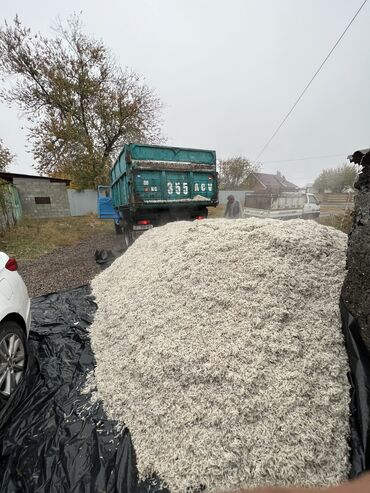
[309, 83]
[304, 158]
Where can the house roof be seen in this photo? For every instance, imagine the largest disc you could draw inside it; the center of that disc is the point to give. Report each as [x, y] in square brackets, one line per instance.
[268, 181]
[285, 182]
[274, 181]
[10, 176]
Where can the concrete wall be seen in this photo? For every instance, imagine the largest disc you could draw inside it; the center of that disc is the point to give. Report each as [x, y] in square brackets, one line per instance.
[83, 202]
[238, 194]
[29, 188]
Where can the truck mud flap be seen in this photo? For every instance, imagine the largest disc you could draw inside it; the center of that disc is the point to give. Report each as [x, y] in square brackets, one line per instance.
[55, 438]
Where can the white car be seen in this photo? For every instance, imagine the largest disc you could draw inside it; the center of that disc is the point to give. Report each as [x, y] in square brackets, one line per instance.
[15, 319]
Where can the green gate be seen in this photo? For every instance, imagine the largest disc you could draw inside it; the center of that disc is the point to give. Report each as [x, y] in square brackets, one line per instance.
[15, 203]
[10, 205]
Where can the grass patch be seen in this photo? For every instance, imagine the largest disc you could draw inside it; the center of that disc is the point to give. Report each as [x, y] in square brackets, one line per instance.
[32, 238]
[343, 222]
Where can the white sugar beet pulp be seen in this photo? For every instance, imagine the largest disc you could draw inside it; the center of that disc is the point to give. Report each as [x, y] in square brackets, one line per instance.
[218, 344]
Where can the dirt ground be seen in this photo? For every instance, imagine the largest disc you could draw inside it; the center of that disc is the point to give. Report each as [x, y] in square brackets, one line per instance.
[32, 238]
[214, 212]
[68, 266]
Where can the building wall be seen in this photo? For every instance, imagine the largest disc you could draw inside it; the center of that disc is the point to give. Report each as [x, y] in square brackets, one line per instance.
[30, 188]
[83, 202]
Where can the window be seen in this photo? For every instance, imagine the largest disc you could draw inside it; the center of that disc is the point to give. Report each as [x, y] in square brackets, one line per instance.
[312, 199]
[42, 200]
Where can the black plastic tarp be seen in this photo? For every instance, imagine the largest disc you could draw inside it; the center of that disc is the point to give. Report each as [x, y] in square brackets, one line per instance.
[54, 439]
[359, 361]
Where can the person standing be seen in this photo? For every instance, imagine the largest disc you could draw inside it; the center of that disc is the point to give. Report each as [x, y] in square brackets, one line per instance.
[233, 209]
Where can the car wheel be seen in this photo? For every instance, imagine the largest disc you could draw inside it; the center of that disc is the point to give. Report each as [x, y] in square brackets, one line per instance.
[13, 357]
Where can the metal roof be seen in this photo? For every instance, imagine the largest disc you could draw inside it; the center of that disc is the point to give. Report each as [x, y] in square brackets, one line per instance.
[10, 176]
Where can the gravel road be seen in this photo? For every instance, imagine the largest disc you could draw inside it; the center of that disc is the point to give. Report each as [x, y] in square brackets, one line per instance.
[67, 267]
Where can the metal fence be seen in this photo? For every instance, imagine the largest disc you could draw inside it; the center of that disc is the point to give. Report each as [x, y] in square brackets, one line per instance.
[83, 202]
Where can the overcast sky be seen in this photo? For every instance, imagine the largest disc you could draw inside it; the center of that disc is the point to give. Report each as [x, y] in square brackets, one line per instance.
[228, 71]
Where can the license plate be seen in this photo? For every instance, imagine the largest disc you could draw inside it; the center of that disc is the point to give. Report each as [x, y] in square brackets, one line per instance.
[143, 227]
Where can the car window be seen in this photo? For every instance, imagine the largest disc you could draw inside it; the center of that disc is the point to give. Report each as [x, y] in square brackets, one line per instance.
[312, 199]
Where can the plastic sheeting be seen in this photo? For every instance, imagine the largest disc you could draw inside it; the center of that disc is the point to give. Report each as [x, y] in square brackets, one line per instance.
[55, 439]
[105, 258]
[52, 438]
[359, 361]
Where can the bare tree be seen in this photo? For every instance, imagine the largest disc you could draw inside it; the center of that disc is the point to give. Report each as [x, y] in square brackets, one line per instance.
[6, 157]
[81, 106]
[234, 172]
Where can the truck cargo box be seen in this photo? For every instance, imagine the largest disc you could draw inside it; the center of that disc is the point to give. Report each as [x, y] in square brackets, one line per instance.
[283, 205]
[156, 176]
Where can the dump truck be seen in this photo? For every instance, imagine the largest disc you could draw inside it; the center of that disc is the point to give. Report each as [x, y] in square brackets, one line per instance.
[283, 205]
[153, 185]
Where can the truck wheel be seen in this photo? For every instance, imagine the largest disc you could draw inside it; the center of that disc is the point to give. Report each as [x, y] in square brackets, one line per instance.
[118, 229]
[127, 238]
[309, 216]
[204, 212]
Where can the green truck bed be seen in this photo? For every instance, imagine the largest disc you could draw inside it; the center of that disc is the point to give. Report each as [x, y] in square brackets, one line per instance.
[149, 177]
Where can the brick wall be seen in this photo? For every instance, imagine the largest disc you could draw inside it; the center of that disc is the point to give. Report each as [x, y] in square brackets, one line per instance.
[31, 188]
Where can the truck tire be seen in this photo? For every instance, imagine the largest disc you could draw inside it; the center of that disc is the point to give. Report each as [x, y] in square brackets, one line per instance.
[310, 216]
[204, 212]
[118, 229]
[127, 237]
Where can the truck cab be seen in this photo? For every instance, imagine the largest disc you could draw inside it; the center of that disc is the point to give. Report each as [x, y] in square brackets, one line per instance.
[311, 208]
